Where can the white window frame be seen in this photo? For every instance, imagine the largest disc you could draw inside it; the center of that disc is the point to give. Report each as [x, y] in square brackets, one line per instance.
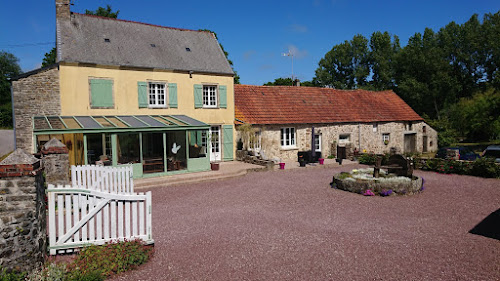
[386, 137]
[288, 137]
[375, 128]
[210, 99]
[342, 138]
[317, 143]
[154, 86]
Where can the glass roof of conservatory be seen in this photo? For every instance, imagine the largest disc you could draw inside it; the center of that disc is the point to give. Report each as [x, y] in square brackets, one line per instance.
[114, 123]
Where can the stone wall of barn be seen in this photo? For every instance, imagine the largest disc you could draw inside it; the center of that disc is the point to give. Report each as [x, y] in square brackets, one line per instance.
[365, 137]
[36, 94]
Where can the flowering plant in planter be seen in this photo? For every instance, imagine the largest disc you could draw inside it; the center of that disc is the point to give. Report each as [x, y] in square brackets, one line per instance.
[368, 192]
[386, 142]
[385, 192]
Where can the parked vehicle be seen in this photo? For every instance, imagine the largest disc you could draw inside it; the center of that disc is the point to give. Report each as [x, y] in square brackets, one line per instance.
[492, 151]
[457, 153]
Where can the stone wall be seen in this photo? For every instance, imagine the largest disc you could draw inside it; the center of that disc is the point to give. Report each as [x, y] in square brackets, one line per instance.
[365, 137]
[36, 94]
[23, 239]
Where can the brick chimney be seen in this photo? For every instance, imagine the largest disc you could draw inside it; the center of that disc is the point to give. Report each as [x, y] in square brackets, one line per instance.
[62, 10]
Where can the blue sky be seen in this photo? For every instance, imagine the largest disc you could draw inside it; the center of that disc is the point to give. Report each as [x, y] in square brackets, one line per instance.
[255, 33]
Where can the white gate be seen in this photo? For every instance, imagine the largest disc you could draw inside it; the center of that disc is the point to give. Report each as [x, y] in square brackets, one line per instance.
[96, 213]
[106, 179]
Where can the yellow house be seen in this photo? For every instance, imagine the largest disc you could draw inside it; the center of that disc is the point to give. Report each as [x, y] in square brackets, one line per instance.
[123, 92]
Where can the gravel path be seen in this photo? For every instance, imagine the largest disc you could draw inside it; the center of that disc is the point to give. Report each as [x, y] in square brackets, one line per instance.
[289, 225]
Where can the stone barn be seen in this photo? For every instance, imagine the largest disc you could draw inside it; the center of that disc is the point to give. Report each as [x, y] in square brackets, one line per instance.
[283, 119]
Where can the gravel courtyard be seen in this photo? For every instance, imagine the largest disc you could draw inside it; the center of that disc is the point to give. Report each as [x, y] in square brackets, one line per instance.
[290, 225]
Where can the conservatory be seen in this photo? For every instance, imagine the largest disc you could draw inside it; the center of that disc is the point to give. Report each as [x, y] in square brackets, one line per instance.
[154, 145]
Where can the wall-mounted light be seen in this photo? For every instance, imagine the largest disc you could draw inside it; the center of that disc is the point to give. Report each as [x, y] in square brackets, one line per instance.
[190, 74]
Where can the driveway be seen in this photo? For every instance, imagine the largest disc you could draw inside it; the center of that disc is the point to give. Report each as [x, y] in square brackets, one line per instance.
[290, 225]
[6, 141]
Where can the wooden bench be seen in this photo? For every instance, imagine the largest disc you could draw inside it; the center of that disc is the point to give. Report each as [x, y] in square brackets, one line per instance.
[397, 164]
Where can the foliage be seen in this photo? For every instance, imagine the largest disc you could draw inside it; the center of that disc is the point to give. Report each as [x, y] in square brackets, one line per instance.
[103, 12]
[367, 158]
[50, 57]
[248, 135]
[481, 167]
[11, 276]
[50, 272]
[109, 259]
[452, 74]
[288, 82]
[477, 118]
[345, 66]
[9, 68]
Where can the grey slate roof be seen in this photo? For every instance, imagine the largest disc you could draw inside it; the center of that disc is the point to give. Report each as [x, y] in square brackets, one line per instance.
[82, 39]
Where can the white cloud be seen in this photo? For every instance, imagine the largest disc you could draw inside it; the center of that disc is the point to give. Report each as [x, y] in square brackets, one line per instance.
[296, 52]
[249, 54]
[298, 28]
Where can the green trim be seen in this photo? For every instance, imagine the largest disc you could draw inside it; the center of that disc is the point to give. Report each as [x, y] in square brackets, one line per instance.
[121, 120]
[141, 157]
[62, 121]
[114, 149]
[198, 96]
[105, 118]
[47, 120]
[222, 96]
[183, 124]
[117, 130]
[165, 152]
[63, 190]
[198, 164]
[78, 122]
[85, 150]
[96, 121]
[228, 144]
[172, 95]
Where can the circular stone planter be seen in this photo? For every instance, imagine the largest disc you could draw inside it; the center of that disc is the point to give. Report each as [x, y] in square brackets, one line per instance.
[359, 181]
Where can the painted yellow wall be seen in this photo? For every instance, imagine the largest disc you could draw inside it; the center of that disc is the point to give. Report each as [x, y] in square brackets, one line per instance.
[75, 94]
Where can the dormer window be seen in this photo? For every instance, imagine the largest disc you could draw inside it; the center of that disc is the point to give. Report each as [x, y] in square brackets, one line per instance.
[188, 50]
[153, 45]
[107, 40]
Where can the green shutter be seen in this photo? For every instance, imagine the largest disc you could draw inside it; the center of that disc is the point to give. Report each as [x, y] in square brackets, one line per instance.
[101, 93]
[172, 95]
[198, 137]
[192, 138]
[227, 145]
[198, 96]
[142, 92]
[222, 96]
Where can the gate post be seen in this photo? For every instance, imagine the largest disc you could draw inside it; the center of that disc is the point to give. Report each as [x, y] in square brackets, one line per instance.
[23, 239]
[55, 160]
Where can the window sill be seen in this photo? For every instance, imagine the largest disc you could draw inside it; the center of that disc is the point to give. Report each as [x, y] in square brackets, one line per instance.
[289, 148]
[157, 107]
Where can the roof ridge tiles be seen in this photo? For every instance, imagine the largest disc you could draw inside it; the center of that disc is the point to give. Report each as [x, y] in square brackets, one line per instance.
[131, 21]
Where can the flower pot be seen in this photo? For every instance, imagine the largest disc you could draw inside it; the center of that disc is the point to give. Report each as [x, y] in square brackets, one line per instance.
[214, 166]
[282, 166]
[321, 161]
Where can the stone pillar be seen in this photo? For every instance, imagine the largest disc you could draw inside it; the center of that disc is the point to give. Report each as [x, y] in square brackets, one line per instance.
[55, 161]
[23, 220]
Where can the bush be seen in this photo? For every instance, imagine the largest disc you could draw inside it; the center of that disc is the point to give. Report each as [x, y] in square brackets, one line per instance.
[109, 259]
[486, 168]
[367, 159]
[50, 272]
[11, 276]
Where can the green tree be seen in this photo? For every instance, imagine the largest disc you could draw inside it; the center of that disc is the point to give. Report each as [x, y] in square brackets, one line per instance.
[9, 68]
[491, 51]
[345, 66]
[103, 12]
[280, 82]
[51, 57]
[236, 76]
[382, 57]
[477, 118]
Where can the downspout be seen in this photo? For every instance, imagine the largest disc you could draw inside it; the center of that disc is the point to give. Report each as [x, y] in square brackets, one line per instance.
[13, 114]
[359, 136]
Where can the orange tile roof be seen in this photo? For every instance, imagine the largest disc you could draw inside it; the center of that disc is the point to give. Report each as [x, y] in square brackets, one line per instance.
[298, 105]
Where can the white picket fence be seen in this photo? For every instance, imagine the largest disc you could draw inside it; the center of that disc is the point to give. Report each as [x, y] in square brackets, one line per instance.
[95, 213]
[102, 178]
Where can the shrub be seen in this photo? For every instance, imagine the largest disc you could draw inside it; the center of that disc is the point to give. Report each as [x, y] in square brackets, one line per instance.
[11, 276]
[50, 272]
[109, 259]
[367, 158]
[485, 167]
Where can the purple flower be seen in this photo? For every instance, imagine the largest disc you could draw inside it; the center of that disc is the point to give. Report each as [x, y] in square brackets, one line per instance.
[368, 192]
[386, 192]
